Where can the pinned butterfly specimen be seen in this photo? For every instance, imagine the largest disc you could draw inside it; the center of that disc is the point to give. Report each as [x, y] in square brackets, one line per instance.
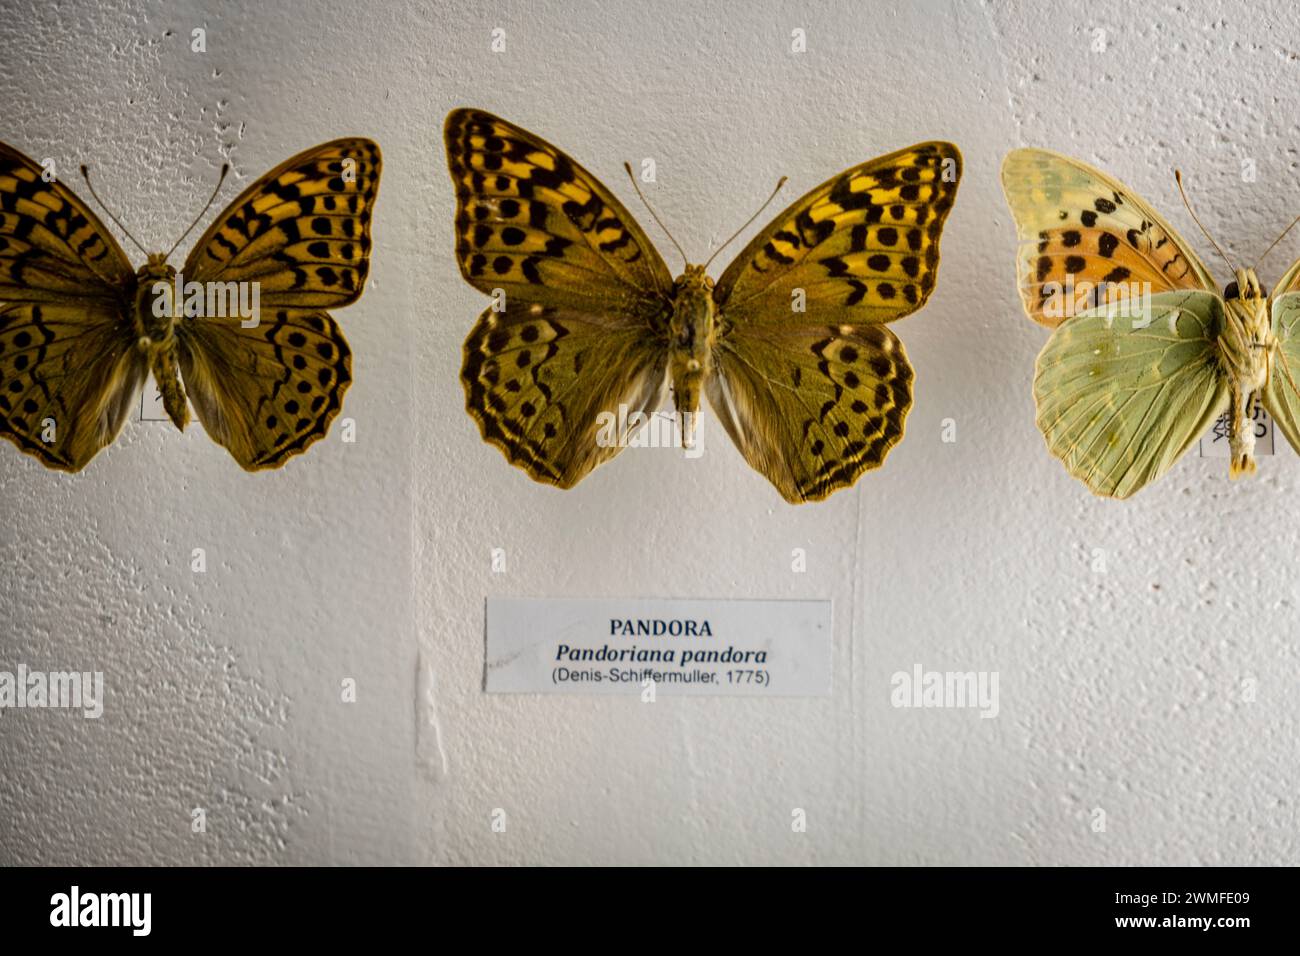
[790, 344]
[80, 329]
[1145, 353]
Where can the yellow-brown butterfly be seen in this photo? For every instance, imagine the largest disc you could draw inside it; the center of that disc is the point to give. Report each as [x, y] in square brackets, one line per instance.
[1145, 351]
[80, 329]
[587, 324]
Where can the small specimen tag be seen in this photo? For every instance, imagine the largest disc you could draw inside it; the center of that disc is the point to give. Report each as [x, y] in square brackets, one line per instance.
[649, 647]
[1214, 443]
[151, 403]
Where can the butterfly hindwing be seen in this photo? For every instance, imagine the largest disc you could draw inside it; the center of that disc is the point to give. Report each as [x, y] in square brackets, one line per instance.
[813, 408]
[542, 382]
[1281, 396]
[267, 393]
[68, 375]
[302, 232]
[861, 247]
[533, 223]
[1121, 397]
[1080, 230]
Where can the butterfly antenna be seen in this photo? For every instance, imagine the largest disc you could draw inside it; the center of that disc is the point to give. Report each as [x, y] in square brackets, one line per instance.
[85, 174]
[1178, 176]
[747, 223]
[655, 215]
[1276, 241]
[225, 168]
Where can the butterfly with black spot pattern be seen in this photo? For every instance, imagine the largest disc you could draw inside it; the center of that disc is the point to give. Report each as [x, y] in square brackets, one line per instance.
[588, 326]
[80, 330]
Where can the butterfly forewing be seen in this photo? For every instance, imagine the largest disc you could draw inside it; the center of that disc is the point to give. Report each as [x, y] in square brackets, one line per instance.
[52, 246]
[530, 221]
[1080, 231]
[302, 231]
[862, 247]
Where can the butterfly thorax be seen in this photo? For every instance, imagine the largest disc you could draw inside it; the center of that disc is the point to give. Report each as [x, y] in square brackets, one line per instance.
[692, 334]
[154, 318]
[1245, 349]
[155, 310]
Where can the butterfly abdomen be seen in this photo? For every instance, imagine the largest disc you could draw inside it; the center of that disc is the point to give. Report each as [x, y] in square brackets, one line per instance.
[166, 373]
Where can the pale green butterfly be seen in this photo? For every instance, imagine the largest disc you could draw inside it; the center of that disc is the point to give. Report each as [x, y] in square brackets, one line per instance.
[1145, 352]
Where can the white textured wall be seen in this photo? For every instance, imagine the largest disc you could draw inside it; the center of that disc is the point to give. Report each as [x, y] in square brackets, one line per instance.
[1119, 690]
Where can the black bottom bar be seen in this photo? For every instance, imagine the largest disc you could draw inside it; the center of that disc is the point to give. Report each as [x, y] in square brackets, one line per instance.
[214, 906]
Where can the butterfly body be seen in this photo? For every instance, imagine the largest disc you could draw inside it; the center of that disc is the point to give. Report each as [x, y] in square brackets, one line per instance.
[154, 316]
[1247, 348]
[693, 337]
[790, 345]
